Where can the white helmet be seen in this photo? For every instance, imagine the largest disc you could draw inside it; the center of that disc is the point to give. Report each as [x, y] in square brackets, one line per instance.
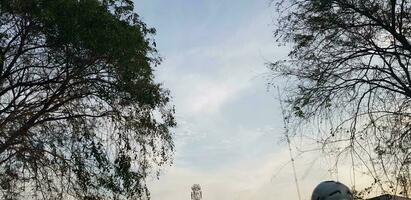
[331, 190]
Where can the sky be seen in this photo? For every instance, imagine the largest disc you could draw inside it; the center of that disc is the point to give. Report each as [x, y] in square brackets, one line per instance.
[229, 137]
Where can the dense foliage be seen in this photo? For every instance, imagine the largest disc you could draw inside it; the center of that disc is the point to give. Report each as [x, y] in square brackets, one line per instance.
[80, 114]
[350, 67]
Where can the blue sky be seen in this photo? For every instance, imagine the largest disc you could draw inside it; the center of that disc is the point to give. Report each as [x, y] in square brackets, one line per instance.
[229, 130]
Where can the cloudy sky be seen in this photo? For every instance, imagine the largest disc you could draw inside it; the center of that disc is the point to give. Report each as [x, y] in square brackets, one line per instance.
[229, 135]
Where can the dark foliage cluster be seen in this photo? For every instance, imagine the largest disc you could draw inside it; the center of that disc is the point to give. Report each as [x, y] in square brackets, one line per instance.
[80, 114]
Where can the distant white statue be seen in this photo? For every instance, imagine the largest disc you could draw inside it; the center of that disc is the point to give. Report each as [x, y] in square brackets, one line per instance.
[196, 193]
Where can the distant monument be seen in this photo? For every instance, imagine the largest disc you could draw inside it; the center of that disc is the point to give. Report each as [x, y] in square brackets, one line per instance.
[196, 193]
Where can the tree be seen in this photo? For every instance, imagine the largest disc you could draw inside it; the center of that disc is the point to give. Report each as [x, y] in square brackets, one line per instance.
[80, 113]
[349, 67]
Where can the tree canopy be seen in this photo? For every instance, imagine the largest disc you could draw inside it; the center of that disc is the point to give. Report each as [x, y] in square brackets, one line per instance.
[349, 67]
[80, 113]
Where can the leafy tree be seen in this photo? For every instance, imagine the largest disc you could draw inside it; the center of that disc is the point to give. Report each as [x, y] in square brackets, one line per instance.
[80, 114]
[349, 65]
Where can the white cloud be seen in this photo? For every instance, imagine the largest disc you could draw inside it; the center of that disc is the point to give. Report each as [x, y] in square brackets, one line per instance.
[202, 79]
[209, 96]
[212, 79]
